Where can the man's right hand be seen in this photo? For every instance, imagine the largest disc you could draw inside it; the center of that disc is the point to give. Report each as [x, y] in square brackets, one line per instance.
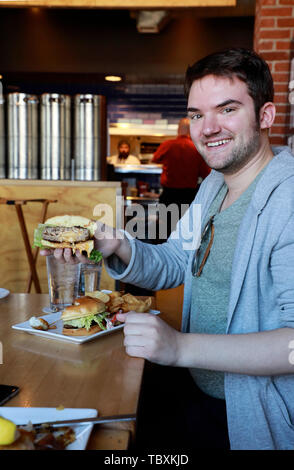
[107, 239]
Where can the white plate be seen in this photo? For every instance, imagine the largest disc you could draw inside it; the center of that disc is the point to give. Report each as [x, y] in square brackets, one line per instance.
[35, 415]
[4, 293]
[57, 333]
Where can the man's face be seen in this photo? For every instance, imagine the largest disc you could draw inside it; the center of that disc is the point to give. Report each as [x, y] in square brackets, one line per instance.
[124, 150]
[223, 123]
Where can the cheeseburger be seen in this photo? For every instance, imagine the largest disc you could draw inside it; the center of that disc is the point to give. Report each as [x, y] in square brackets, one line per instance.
[85, 317]
[68, 231]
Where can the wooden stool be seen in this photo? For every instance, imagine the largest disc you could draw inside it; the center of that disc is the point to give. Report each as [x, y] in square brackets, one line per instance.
[32, 256]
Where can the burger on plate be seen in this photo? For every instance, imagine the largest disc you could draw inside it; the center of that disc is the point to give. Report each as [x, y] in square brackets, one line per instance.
[85, 317]
[68, 231]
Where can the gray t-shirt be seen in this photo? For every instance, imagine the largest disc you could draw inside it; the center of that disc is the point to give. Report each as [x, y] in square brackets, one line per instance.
[210, 291]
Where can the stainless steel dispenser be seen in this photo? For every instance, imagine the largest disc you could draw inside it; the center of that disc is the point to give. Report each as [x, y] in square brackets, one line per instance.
[55, 133]
[88, 136]
[22, 132]
[2, 139]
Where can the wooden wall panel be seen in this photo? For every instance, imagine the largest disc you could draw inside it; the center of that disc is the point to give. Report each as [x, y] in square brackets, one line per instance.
[77, 198]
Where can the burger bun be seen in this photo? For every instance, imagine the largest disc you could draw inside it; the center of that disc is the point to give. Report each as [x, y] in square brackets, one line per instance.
[83, 307]
[72, 221]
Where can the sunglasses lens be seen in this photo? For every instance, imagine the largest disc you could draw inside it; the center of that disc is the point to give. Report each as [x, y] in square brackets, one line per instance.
[195, 263]
[196, 271]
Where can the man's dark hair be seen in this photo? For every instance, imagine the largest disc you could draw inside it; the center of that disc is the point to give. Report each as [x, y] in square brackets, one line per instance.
[122, 142]
[236, 62]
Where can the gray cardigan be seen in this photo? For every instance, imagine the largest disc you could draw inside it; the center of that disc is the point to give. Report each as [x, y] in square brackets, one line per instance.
[260, 409]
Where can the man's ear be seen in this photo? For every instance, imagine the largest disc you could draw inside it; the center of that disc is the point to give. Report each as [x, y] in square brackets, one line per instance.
[267, 115]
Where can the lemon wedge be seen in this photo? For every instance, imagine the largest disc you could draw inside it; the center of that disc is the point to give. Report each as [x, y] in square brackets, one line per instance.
[7, 431]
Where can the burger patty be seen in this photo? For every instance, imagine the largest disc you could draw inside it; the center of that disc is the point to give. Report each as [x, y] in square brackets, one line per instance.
[66, 234]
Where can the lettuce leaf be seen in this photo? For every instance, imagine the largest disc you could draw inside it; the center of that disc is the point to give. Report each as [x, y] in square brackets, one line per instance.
[95, 256]
[38, 232]
[86, 322]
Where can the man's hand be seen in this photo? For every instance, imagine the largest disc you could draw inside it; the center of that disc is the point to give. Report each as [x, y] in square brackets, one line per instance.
[147, 336]
[65, 255]
[107, 239]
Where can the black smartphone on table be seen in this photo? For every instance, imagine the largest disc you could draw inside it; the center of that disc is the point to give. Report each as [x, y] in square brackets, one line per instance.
[7, 392]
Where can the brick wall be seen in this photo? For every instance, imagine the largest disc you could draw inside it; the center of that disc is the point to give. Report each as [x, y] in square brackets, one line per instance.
[274, 41]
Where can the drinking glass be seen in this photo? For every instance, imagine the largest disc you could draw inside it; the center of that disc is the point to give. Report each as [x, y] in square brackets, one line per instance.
[90, 277]
[63, 283]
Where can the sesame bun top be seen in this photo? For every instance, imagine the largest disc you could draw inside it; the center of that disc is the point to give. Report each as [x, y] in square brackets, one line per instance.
[83, 307]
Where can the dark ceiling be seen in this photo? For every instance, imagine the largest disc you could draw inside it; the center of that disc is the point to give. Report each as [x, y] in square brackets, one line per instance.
[77, 47]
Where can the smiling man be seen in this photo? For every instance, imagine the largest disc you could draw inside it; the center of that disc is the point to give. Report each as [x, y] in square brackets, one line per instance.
[232, 380]
[224, 131]
[239, 301]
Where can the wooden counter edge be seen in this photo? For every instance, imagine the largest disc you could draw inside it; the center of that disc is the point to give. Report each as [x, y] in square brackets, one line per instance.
[90, 184]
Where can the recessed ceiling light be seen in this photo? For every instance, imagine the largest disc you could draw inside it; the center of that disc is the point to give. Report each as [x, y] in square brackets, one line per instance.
[113, 78]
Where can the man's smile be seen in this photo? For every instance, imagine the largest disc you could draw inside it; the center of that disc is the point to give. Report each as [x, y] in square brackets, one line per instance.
[217, 143]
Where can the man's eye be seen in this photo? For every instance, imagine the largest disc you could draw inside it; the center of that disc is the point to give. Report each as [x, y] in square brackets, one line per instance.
[195, 117]
[228, 110]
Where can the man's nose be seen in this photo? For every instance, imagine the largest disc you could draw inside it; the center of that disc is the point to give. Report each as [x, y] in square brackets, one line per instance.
[210, 125]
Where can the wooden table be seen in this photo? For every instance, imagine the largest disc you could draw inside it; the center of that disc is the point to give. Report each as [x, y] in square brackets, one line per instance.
[51, 373]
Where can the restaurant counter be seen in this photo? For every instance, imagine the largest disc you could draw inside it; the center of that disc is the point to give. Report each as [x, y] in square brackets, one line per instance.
[150, 168]
[134, 175]
[73, 197]
[144, 200]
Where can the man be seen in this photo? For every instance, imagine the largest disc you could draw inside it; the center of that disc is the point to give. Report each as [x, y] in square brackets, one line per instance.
[182, 166]
[123, 157]
[238, 312]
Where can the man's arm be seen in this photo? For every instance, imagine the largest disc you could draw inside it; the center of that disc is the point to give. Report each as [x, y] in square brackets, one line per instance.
[262, 353]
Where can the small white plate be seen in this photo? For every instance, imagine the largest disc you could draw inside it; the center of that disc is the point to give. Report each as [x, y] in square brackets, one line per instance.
[57, 333]
[4, 293]
[36, 415]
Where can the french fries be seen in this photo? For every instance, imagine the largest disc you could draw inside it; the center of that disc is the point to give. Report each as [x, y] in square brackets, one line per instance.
[115, 302]
[97, 294]
[132, 303]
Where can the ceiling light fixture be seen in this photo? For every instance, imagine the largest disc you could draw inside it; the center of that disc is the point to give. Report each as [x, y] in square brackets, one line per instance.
[113, 78]
[152, 21]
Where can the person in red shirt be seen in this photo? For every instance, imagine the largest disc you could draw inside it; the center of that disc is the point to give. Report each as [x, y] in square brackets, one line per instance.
[182, 166]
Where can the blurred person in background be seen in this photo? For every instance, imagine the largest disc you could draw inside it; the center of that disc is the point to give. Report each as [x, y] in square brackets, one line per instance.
[182, 168]
[123, 157]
